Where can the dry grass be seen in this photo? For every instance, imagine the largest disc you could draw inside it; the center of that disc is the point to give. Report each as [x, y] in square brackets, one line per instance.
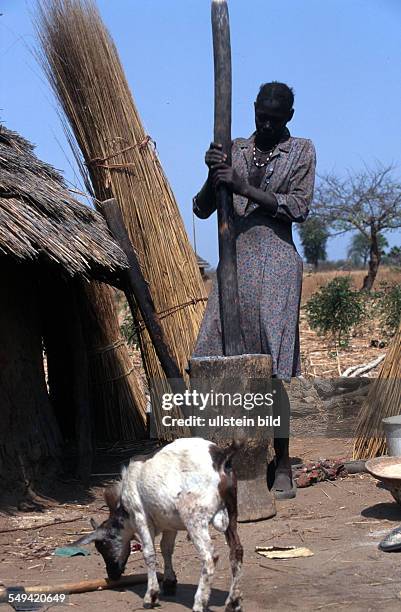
[318, 356]
[384, 400]
[38, 216]
[312, 281]
[84, 70]
[117, 390]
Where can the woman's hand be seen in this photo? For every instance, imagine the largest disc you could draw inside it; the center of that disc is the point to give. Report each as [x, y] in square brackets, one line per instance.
[222, 174]
[214, 155]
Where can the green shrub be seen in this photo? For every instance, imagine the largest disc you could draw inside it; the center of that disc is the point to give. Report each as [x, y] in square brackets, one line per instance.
[389, 306]
[335, 309]
[128, 329]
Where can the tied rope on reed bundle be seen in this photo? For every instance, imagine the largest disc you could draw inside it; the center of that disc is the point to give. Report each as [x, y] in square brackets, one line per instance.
[84, 70]
[383, 400]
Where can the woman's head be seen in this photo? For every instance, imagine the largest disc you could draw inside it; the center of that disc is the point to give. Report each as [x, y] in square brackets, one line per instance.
[273, 110]
[276, 91]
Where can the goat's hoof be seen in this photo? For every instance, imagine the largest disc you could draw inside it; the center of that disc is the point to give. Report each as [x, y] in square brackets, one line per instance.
[169, 587]
[234, 605]
[151, 601]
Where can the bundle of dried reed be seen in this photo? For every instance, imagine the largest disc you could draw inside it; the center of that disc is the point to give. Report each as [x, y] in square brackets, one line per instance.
[84, 69]
[117, 393]
[383, 400]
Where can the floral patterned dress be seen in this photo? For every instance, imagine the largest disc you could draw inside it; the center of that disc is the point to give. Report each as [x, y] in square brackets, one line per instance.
[269, 266]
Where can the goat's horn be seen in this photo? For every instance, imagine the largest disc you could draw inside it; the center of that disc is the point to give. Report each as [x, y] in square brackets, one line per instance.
[87, 539]
[94, 524]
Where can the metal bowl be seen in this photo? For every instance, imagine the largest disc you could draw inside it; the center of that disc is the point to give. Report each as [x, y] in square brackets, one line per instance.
[383, 469]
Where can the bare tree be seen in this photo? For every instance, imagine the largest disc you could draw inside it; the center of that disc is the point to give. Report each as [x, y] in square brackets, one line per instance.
[368, 201]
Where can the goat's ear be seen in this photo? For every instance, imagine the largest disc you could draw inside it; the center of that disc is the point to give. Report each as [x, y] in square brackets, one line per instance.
[112, 497]
[94, 524]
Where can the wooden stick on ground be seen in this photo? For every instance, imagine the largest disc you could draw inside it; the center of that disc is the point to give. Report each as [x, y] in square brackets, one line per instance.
[49, 524]
[97, 584]
[367, 367]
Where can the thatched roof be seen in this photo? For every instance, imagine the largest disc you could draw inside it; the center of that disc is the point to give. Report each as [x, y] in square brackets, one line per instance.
[202, 263]
[39, 217]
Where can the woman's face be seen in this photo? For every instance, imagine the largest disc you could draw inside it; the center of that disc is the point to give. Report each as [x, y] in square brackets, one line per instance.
[270, 119]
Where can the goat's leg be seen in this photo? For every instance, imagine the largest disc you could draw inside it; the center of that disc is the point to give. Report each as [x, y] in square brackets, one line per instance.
[199, 533]
[234, 599]
[147, 537]
[196, 519]
[167, 547]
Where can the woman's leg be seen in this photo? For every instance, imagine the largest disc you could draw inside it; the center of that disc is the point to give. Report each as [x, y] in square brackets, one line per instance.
[283, 485]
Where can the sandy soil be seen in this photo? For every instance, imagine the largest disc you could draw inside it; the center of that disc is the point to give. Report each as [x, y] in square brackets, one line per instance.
[341, 522]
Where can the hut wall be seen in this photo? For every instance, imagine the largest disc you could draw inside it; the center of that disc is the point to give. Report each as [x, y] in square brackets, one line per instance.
[81, 317]
[29, 434]
[58, 330]
[116, 389]
[68, 372]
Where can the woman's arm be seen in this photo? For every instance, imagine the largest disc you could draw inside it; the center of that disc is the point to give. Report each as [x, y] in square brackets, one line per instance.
[227, 175]
[294, 205]
[290, 206]
[266, 199]
[204, 203]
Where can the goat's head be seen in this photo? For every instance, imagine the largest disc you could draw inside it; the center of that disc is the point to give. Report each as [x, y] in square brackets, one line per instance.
[112, 538]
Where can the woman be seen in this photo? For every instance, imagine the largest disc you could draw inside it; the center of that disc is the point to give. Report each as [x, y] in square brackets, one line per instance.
[272, 177]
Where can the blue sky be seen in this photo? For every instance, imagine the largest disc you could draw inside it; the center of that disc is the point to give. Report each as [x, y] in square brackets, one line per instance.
[342, 57]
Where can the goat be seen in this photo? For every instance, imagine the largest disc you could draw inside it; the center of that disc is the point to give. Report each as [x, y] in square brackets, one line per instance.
[186, 485]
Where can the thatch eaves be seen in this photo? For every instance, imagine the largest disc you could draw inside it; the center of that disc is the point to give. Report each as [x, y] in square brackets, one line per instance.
[39, 217]
[202, 263]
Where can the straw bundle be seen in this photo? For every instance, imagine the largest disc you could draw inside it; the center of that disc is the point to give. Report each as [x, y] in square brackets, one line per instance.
[117, 394]
[86, 75]
[383, 400]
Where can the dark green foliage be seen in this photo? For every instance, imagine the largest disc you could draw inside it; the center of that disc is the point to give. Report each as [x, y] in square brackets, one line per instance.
[314, 234]
[335, 309]
[359, 248]
[128, 329]
[393, 257]
[389, 306]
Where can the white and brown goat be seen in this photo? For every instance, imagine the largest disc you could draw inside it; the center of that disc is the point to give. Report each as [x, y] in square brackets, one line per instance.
[185, 486]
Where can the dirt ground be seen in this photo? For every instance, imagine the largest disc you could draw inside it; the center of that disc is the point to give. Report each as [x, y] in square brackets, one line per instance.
[342, 522]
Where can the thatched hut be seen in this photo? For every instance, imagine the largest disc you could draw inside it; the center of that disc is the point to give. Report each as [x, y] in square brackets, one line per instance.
[203, 265]
[51, 246]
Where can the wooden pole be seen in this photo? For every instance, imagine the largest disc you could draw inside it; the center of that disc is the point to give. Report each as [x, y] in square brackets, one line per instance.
[138, 294]
[227, 269]
[97, 584]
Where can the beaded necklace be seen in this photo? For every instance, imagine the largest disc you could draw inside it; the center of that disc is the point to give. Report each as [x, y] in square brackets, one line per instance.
[259, 164]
